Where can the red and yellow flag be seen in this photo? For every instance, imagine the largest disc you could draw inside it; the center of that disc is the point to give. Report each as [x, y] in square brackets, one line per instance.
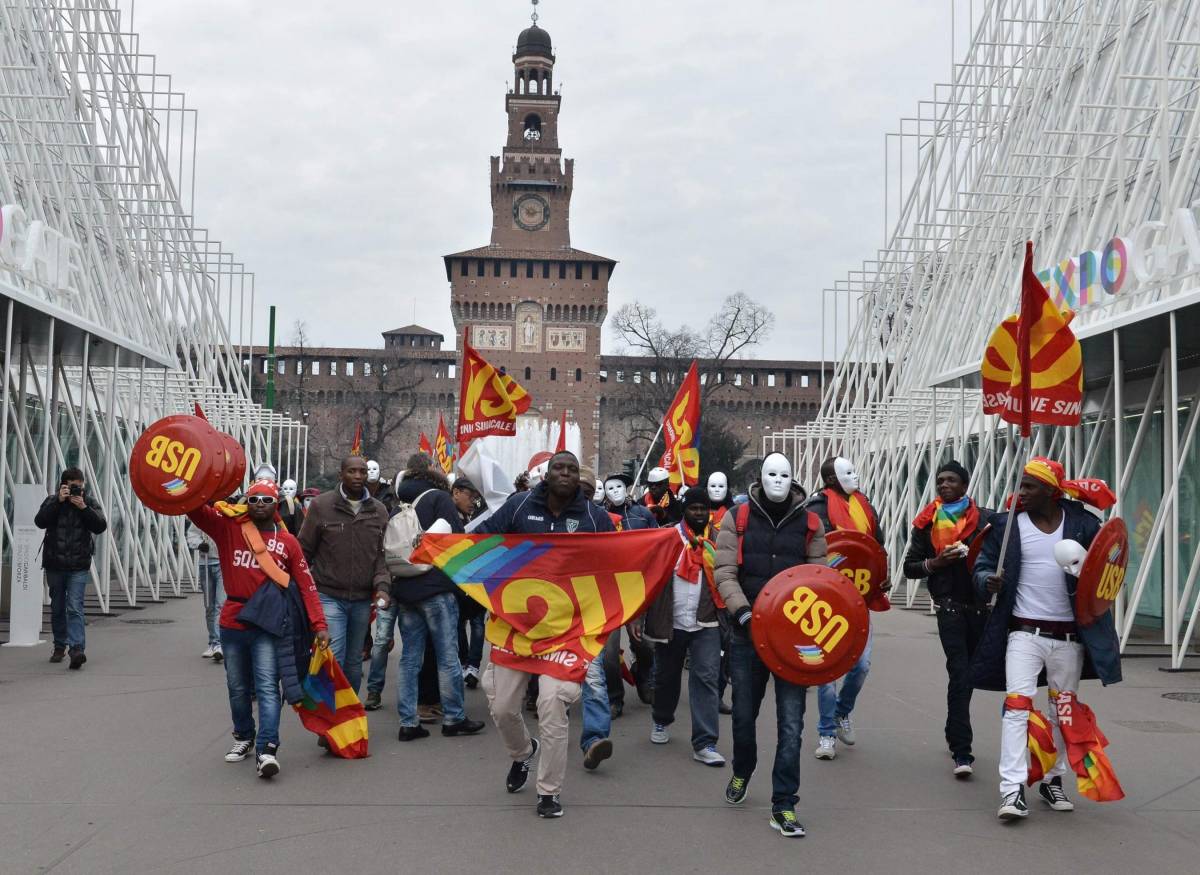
[681, 433]
[489, 400]
[562, 433]
[331, 708]
[443, 449]
[356, 446]
[552, 600]
[1032, 369]
[1040, 737]
[1094, 775]
[424, 446]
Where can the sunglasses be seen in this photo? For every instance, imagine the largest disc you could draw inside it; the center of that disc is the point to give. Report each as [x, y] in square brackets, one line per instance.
[260, 499]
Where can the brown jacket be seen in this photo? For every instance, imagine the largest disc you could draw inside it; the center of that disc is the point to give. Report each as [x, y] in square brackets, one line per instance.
[660, 616]
[345, 549]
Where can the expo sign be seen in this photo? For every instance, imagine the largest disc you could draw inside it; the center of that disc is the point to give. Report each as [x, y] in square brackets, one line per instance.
[39, 253]
[1156, 253]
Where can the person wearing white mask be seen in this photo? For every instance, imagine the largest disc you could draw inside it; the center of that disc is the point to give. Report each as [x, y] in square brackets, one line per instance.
[768, 534]
[379, 488]
[627, 516]
[266, 471]
[719, 500]
[660, 500]
[290, 510]
[841, 504]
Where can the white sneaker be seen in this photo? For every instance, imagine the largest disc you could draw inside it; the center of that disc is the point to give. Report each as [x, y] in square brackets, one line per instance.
[708, 756]
[659, 734]
[845, 730]
[218, 653]
[208, 653]
[826, 747]
[268, 765]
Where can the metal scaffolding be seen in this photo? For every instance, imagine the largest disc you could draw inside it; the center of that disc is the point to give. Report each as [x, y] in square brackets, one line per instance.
[118, 309]
[1075, 125]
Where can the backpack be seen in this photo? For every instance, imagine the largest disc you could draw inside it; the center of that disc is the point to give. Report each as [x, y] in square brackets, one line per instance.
[741, 517]
[401, 537]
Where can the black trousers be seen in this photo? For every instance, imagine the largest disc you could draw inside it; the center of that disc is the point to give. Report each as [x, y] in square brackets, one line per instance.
[642, 665]
[959, 629]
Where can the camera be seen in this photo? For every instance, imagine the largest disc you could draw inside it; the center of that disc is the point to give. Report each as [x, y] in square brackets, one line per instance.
[76, 489]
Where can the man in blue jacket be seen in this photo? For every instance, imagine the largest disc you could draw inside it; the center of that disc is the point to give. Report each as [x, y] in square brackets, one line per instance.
[1033, 626]
[558, 504]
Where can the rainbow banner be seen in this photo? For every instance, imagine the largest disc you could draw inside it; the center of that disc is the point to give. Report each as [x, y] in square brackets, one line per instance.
[553, 599]
[331, 709]
[1094, 775]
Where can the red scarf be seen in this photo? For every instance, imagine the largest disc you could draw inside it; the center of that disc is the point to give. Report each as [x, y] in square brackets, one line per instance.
[699, 555]
[947, 530]
[854, 513]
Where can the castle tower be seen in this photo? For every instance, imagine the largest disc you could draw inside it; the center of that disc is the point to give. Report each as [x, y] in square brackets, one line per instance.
[531, 302]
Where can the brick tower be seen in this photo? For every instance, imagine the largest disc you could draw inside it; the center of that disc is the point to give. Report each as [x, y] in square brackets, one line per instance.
[531, 302]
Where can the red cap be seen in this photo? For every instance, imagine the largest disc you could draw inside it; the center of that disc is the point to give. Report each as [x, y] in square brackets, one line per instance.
[264, 487]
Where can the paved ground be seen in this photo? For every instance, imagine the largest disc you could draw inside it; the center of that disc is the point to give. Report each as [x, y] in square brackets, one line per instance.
[117, 768]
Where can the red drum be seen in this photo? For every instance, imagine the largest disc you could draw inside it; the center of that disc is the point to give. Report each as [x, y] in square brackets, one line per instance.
[1103, 572]
[235, 467]
[178, 464]
[864, 563]
[808, 626]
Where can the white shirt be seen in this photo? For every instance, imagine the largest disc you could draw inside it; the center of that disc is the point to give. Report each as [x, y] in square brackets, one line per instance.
[1042, 587]
[686, 603]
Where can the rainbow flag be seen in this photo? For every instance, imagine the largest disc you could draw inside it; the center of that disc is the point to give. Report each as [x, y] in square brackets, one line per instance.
[810, 654]
[1094, 775]
[176, 486]
[331, 709]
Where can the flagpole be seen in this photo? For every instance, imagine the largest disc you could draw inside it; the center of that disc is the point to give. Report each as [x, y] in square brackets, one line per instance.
[1012, 518]
[649, 450]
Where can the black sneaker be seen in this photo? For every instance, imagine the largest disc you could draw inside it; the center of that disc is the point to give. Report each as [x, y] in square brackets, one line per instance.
[598, 751]
[785, 821]
[240, 750]
[964, 767]
[78, 658]
[412, 733]
[518, 774]
[462, 727]
[1052, 794]
[1013, 806]
[58, 654]
[548, 806]
[267, 762]
[735, 790]
[374, 701]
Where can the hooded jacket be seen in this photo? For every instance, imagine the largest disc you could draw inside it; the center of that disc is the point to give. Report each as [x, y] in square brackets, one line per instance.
[527, 513]
[635, 516]
[435, 503]
[68, 544]
[1101, 648]
[767, 549]
[344, 548]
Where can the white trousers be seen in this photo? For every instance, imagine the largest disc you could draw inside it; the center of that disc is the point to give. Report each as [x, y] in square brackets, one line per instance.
[1027, 654]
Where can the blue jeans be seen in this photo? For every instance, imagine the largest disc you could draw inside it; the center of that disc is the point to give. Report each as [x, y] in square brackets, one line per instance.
[250, 665]
[834, 703]
[213, 590]
[749, 677]
[436, 618]
[67, 589]
[381, 648]
[348, 623]
[704, 646]
[597, 719]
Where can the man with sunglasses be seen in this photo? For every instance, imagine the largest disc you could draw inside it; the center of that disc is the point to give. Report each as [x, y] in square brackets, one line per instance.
[250, 661]
[342, 537]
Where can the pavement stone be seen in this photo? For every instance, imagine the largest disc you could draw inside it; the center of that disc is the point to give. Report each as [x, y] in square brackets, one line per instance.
[117, 769]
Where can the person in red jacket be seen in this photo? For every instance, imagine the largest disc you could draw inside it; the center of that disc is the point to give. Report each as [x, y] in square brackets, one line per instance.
[250, 653]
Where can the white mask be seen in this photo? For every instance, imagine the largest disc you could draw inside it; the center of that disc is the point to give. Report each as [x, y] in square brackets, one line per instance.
[616, 492]
[372, 471]
[598, 495]
[776, 477]
[718, 487]
[847, 477]
[1070, 555]
[307, 501]
[288, 489]
[265, 471]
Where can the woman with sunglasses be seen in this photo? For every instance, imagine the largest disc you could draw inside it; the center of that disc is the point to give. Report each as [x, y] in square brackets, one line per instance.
[250, 664]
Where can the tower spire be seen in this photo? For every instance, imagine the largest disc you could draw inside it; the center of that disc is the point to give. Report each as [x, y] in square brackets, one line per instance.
[534, 16]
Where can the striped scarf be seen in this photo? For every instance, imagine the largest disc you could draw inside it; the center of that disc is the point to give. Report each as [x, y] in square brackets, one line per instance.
[853, 512]
[699, 554]
[951, 522]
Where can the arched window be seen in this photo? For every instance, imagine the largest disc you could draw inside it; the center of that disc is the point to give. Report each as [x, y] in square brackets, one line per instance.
[533, 127]
[554, 373]
[578, 374]
[529, 373]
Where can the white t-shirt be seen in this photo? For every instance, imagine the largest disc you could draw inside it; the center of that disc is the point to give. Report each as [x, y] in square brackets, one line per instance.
[1042, 588]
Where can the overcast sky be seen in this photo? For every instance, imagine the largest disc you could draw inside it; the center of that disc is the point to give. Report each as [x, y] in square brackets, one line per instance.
[720, 147]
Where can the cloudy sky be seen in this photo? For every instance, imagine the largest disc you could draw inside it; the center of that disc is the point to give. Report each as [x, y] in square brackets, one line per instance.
[720, 147]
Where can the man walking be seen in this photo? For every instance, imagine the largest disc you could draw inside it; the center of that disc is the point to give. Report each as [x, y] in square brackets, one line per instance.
[768, 534]
[1033, 627]
[682, 623]
[941, 536]
[841, 505]
[71, 518]
[208, 572]
[556, 504]
[342, 538]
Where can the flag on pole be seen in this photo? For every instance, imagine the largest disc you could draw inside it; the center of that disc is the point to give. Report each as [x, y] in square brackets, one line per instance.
[562, 433]
[1032, 369]
[489, 400]
[356, 447]
[424, 446]
[443, 448]
[681, 433]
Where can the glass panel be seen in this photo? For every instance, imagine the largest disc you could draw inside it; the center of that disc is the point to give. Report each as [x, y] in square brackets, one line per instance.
[1141, 504]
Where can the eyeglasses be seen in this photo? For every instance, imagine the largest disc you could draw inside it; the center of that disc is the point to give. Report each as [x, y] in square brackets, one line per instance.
[260, 499]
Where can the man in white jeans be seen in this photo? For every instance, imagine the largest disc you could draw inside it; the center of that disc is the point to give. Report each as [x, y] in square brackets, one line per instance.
[1033, 626]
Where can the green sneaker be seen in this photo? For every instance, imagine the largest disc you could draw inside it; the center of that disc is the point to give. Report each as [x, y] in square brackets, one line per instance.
[785, 821]
[735, 792]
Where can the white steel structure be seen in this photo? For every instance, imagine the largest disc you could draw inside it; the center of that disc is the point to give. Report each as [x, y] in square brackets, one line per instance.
[118, 309]
[1074, 125]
